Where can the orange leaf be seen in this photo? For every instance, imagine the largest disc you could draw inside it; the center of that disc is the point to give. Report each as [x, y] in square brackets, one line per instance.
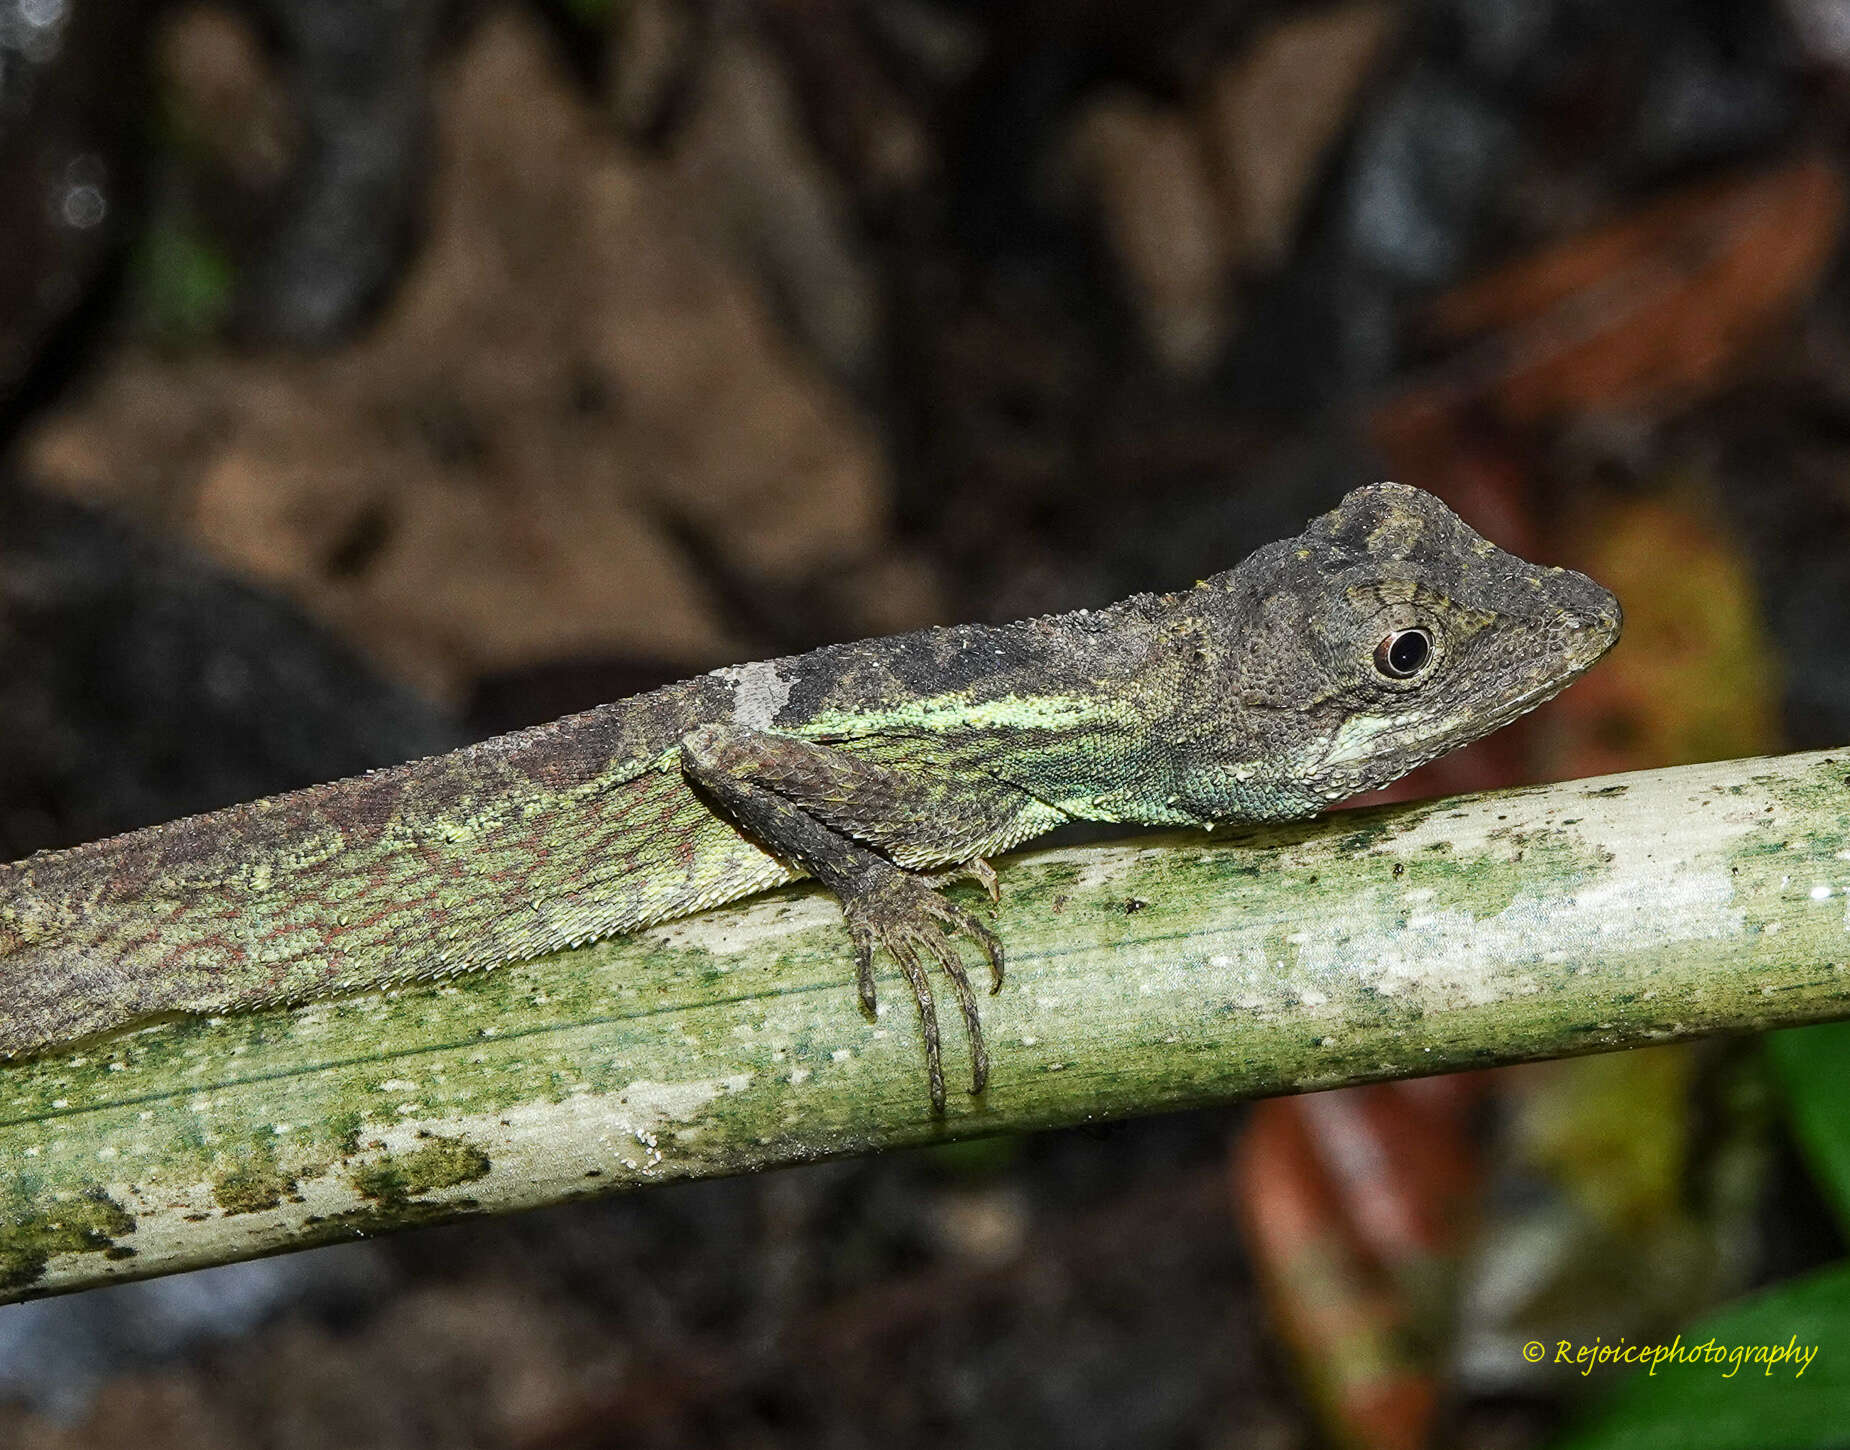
[1642, 314]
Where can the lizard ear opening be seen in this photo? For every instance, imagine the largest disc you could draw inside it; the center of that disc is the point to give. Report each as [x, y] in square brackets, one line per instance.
[1405, 654]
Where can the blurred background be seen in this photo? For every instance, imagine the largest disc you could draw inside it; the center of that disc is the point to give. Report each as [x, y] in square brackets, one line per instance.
[377, 375]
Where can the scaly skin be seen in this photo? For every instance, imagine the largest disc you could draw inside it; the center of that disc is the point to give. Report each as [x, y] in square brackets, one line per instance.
[1257, 695]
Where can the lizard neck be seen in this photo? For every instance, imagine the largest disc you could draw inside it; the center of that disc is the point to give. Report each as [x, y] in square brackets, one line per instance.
[1220, 740]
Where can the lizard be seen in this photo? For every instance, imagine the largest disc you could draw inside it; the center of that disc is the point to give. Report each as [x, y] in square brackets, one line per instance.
[1386, 633]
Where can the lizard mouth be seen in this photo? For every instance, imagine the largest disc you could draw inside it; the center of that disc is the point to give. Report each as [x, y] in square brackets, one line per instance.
[1581, 640]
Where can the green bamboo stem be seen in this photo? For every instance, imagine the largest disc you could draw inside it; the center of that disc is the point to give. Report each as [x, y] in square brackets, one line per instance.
[1160, 973]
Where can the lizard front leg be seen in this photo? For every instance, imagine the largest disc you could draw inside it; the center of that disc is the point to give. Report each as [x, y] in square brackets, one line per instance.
[857, 826]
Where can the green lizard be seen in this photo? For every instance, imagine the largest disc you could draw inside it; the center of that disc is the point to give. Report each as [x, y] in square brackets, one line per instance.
[1385, 634]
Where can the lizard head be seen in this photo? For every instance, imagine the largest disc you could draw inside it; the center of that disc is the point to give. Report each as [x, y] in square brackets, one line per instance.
[1388, 633]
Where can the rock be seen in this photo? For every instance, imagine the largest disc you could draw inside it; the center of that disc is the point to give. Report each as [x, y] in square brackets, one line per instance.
[1428, 163]
[139, 684]
[1822, 28]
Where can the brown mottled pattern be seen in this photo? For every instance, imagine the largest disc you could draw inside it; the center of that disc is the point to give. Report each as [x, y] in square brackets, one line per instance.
[1252, 696]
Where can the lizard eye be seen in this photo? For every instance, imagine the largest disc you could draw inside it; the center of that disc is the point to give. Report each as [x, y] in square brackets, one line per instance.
[1404, 653]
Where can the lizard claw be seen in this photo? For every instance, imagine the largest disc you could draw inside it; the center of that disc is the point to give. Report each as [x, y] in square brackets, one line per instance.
[975, 869]
[906, 915]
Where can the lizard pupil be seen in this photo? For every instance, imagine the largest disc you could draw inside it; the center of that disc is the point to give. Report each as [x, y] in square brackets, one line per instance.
[1403, 653]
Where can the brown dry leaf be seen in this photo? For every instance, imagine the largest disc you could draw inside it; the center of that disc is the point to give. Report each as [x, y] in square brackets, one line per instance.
[224, 96]
[1273, 113]
[480, 482]
[1144, 169]
[1644, 314]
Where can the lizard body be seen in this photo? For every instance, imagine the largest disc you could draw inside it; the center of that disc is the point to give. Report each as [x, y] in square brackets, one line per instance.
[1385, 634]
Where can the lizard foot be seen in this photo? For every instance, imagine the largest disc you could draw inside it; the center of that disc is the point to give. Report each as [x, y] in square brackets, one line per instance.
[906, 915]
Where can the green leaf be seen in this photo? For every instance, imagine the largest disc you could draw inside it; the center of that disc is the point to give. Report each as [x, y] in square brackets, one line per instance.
[1813, 1068]
[1721, 1398]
